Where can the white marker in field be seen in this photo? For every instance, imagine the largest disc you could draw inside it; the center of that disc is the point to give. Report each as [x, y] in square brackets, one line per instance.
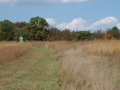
[21, 39]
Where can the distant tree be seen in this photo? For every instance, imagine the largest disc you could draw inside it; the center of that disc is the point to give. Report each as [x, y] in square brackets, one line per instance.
[66, 34]
[58, 35]
[1, 31]
[73, 36]
[21, 32]
[37, 28]
[7, 29]
[116, 32]
[19, 24]
[1, 34]
[51, 34]
[99, 34]
[40, 22]
[109, 35]
[85, 35]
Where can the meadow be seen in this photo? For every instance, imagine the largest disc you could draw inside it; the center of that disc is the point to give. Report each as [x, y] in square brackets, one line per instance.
[92, 66]
[11, 50]
[60, 65]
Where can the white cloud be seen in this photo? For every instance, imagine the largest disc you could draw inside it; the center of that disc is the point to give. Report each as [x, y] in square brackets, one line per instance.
[9, 1]
[4, 1]
[51, 21]
[73, 1]
[80, 24]
[118, 25]
[76, 24]
[103, 23]
[40, 2]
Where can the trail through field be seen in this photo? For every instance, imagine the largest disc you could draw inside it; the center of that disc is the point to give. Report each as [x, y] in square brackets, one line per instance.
[36, 70]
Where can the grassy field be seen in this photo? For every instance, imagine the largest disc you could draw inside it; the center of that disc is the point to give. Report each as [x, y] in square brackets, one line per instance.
[36, 70]
[11, 50]
[83, 65]
[94, 65]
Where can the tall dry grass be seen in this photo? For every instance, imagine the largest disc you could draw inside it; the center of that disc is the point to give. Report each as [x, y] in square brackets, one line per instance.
[87, 65]
[84, 68]
[11, 50]
[105, 48]
[59, 46]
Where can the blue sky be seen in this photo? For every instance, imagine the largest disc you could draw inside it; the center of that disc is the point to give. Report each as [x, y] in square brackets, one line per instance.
[65, 14]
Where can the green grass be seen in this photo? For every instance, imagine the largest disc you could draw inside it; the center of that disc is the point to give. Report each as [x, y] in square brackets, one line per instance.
[37, 70]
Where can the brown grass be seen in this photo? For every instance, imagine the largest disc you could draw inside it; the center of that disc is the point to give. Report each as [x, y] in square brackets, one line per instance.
[11, 50]
[105, 48]
[83, 68]
[87, 65]
[60, 46]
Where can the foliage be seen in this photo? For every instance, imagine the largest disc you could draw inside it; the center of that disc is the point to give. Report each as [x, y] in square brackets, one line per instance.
[84, 35]
[99, 34]
[66, 35]
[21, 32]
[113, 33]
[39, 29]
[109, 35]
[1, 34]
[7, 29]
[52, 34]
[116, 32]
[19, 24]
[73, 36]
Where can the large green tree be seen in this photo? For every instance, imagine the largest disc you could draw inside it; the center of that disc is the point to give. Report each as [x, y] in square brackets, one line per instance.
[37, 28]
[7, 29]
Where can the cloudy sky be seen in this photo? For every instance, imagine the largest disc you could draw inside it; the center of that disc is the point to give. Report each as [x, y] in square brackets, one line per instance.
[65, 14]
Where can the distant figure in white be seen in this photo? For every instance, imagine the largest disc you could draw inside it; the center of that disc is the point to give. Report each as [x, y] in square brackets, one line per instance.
[21, 39]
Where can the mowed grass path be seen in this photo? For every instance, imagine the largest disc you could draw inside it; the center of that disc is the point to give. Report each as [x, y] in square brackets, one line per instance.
[36, 70]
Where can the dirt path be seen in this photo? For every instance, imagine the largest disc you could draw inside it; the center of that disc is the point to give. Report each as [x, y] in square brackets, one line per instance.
[37, 70]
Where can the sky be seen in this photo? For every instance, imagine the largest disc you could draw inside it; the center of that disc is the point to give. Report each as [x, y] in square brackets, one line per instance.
[75, 15]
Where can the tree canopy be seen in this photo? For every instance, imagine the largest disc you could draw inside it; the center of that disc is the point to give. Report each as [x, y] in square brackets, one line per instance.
[38, 29]
[7, 29]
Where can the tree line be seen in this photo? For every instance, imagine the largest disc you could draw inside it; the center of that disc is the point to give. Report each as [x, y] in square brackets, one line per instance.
[39, 29]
